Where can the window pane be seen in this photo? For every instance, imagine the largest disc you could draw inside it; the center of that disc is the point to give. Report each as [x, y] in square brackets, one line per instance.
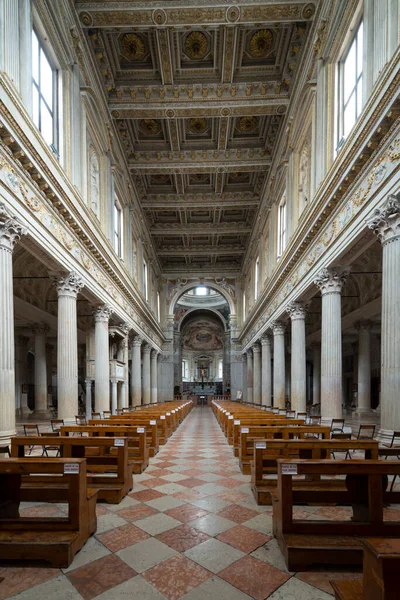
[359, 97]
[349, 115]
[46, 79]
[360, 50]
[35, 105]
[35, 57]
[46, 125]
[349, 73]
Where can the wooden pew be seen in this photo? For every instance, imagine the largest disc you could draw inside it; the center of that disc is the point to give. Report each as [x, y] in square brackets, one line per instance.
[138, 452]
[381, 563]
[151, 430]
[284, 432]
[266, 453]
[305, 542]
[274, 421]
[107, 467]
[52, 539]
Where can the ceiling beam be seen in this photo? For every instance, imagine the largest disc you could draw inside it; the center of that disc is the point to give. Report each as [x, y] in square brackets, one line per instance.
[174, 229]
[202, 250]
[205, 167]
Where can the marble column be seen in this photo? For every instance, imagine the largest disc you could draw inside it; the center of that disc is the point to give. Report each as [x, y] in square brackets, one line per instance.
[102, 315]
[316, 349]
[153, 376]
[114, 396]
[49, 370]
[123, 397]
[21, 351]
[256, 374]
[330, 281]
[88, 390]
[278, 330]
[11, 231]
[266, 371]
[385, 223]
[297, 311]
[68, 286]
[364, 366]
[146, 374]
[136, 375]
[249, 354]
[40, 331]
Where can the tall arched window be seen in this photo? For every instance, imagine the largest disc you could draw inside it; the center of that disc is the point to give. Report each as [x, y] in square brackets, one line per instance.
[281, 227]
[94, 182]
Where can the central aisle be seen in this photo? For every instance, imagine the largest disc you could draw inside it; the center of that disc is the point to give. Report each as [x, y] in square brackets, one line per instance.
[190, 529]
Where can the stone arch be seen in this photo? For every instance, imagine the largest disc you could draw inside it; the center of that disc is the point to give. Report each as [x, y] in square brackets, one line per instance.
[210, 310]
[214, 286]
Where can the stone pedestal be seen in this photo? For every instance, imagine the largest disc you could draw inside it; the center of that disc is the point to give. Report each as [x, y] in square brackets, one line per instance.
[266, 371]
[297, 312]
[146, 374]
[249, 354]
[10, 232]
[364, 366]
[102, 361]
[316, 349]
[153, 376]
[386, 225]
[330, 282]
[279, 364]
[40, 330]
[68, 286]
[136, 375]
[257, 374]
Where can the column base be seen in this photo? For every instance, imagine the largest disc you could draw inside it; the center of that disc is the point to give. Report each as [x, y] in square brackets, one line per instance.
[384, 435]
[41, 415]
[5, 437]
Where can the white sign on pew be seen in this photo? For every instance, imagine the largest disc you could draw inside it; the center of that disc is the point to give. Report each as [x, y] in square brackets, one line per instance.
[140, 430]
[153, 422]
[230, 417]
[236, 422]
[261, 445]
[119, 442]
[71, 468]
[289, 469]
[244, 430]
[162, 417]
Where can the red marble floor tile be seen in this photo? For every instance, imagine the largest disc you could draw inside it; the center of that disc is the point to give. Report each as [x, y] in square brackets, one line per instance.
[391, 514]
[190, 495]
[17, 579]
[140, 511]
[44, 510]
[146, 495]
[186, 513]
[122, 537]
[182, 538]
[254, 577]
[165, 465]
[159, 472]
[237, 513]
[101, 510]
[191, 482]
[100, 576]
[243, 538]
[193, 472]
[335, 513]
[153, 483]
[320, 579]
[231, 496]
[228, 483]
[176, 577]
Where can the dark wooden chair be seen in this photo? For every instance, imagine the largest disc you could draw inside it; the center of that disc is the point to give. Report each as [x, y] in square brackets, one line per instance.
[290, 414]
[96, 415]
[302, 415]
[119, 411]
[341, 436]
[30, 429]
[337, 426]
[315, 420]
[56, 424]
[80, 419]
[366, 432]
[106, 414]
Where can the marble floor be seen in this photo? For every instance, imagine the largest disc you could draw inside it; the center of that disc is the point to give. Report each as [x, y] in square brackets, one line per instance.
[189, 530]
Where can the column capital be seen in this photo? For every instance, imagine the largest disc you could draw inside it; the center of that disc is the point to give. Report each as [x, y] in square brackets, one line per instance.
[385, 221]
[363, 325]
[11, 230]
[137, 341]
[125, 327]
[265, 340]
[278, 328]
[102, 313]
[249, 353]
[67, 284]
[40, 328]
[330, 280]
[147, 349]
[256, 348]
[154, 353]
[297, 310]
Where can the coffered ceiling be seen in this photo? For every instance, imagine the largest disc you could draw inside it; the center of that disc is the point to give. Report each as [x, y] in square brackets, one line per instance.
[198, 90]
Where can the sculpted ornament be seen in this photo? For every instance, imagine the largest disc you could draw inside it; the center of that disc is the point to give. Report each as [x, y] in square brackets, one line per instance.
[11, 230]
[226, 286]
[297, 310]
[68, 284]
[385, 222]
[278, 328]
[331, 279]
[102, 313]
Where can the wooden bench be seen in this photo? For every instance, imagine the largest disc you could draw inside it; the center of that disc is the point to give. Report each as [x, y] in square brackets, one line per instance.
[284, 432]
[274, 421]
[138, 452]
[266, 453]
[381, 563]
[107, 467]
[151, 430]
[52, 539]
[245, 420]
[305, 542]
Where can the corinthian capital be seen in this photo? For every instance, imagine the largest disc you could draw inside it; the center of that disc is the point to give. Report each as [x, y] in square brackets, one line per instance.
[297, 310]
[385, 221]
[137, 341]
[102, 313]
[278, 328]
[11, 229]
[265, 340]
[330, 280]
[256, 348]
[147, 349]
[67, 284]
